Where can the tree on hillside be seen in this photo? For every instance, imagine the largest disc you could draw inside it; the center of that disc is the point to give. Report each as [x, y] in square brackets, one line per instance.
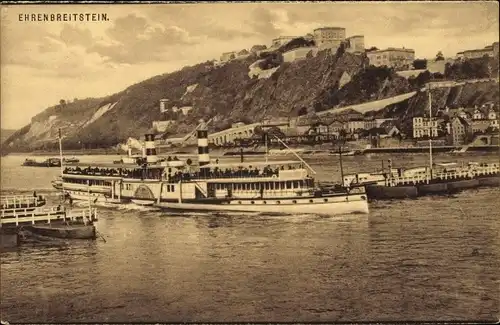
[340, 50]
[342, 134]
[302, 111]
[62, 102]
[439, 56]
[420, 64]
[296, 43]
[371, 49]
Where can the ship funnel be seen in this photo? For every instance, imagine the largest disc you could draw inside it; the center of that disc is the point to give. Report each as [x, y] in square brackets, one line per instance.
[150, 148]
[202, 135]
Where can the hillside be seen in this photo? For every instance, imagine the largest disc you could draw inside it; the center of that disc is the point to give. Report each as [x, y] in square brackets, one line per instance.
[466, 95]
[5, 134]
[227, 93]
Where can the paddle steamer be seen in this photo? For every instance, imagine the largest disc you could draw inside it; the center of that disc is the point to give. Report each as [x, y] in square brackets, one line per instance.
[277, 187]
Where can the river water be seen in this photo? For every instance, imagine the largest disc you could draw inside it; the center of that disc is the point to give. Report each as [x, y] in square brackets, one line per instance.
[426, 259]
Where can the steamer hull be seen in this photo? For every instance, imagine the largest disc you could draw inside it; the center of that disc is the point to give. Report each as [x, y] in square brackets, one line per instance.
[332, 206]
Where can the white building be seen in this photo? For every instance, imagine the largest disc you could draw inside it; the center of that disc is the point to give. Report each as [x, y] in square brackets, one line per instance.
[425, 126]
[163, 105]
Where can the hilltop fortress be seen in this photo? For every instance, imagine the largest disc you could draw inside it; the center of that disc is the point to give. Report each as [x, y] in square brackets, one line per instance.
[323, 38]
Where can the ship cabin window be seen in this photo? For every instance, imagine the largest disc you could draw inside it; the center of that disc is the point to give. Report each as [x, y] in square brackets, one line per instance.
[91, 182]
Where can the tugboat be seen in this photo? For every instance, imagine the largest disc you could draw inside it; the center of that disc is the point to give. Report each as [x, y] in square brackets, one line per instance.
[71, 160]
[50, 162]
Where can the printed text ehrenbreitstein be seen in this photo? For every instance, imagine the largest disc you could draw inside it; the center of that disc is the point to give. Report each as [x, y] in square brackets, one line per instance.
[64, 17]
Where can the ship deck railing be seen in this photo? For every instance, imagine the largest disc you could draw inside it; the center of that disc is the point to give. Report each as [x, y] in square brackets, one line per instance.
[47, 215]
[19, 201]
[452, 175]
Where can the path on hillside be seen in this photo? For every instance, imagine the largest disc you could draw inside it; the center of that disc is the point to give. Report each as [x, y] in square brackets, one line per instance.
[379, 104]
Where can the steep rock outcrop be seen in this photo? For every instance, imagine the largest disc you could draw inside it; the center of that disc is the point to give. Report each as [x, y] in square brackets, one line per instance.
[228, 94]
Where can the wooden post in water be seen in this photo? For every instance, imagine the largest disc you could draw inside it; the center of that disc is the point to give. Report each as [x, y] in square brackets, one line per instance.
[88, 194]
[61, 159]
[341, 167]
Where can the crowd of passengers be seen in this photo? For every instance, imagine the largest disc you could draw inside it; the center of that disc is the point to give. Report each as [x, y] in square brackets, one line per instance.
[135, 173]
[148, 174]
[228, 173]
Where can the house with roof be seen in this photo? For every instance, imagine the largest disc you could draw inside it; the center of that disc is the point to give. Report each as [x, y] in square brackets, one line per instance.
[466, 115]
[479, 126]
[336, 126]
[355, 125]
[390, 128]
[484, 117]
[424, 126]
[350, 114]
[460, 129]
[318, 128]
[492, 113]
[478, 113]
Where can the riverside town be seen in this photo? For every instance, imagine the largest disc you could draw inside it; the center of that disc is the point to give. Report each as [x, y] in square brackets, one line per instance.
[83, 17]
[250, 162]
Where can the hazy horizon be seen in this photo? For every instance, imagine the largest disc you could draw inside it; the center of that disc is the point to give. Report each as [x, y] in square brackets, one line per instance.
[43, 62]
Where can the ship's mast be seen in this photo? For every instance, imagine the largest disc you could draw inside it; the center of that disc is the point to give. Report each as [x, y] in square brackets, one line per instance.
[341, 167]
[302, 160]
[430, 134]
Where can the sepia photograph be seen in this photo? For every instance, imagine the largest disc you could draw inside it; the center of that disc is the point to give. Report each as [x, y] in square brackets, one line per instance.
[223, 162]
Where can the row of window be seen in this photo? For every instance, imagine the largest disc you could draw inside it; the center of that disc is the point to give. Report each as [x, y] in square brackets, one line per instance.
[279, 202]
[91, 182]
[286, 185]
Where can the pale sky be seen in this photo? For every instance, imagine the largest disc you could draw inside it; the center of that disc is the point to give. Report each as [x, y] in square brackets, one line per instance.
[42, 62]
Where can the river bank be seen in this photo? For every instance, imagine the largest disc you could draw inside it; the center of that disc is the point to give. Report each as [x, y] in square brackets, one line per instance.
[303, 150]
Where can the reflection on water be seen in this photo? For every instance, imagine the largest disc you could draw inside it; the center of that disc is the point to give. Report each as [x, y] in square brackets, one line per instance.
[424, 259]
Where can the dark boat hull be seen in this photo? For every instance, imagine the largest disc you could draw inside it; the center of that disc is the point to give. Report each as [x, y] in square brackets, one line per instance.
[462, 185]
[489, 181]
[430, 189]
[9, 238]
[64, 231]
[381, 192]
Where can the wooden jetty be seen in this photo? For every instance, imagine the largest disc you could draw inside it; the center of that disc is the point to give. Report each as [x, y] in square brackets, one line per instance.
[21, 201]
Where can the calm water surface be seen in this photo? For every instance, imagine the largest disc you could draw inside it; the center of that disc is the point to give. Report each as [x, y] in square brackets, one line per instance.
[426, 259]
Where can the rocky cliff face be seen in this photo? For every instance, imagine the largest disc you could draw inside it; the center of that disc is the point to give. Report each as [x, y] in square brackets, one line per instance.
[228, 94]
[466, 95]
